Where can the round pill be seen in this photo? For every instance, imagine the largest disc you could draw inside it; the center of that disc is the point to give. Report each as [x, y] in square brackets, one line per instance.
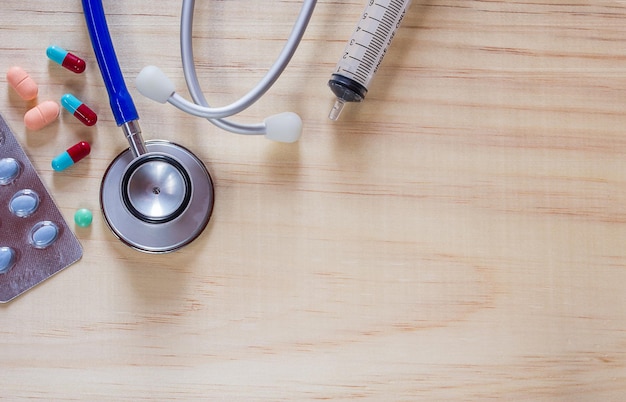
[24, 203]
[22, 83]
[9, 170]
[83, 217]
[43, 234]
[41, 115]
[7, 259]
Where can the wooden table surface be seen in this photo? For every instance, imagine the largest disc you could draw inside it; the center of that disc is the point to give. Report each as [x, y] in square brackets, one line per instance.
[460, 235]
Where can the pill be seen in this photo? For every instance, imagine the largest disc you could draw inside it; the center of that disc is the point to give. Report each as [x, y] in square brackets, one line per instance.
[83, 217]
[24, 203]
[81, 111]
[9, 170]
[43, 234]
[66, 59]
[7, 259]
[72, 155]
[41, 115]
[22, 83]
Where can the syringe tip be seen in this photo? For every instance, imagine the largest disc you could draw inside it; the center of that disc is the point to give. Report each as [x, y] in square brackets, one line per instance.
[336, 110]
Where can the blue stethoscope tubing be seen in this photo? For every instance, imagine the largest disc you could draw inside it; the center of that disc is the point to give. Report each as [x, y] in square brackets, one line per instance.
[122, 104]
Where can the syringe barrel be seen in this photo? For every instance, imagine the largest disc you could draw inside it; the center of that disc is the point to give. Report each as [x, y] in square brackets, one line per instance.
[370, 41]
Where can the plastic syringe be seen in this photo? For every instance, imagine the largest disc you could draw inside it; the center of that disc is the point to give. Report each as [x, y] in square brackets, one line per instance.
[365, 51]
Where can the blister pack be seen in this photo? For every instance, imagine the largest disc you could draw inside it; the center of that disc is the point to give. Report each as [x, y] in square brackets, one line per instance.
[35, 240]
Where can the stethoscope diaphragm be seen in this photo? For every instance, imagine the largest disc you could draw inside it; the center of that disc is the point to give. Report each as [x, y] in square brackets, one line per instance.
[157, 202]
[156, 188]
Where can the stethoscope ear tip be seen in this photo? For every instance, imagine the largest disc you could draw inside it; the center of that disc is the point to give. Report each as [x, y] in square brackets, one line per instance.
[283, 127]
[152, 83]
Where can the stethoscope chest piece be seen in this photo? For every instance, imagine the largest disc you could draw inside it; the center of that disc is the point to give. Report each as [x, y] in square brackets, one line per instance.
[157, 202]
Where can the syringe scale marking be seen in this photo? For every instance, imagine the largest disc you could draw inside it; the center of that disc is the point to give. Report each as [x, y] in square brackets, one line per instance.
[365, 50]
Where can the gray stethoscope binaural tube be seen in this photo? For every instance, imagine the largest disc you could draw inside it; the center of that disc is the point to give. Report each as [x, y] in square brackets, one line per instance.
[157, 196]
[283, 127]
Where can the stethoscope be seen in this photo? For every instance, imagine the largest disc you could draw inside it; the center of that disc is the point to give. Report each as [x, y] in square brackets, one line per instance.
[157, 196]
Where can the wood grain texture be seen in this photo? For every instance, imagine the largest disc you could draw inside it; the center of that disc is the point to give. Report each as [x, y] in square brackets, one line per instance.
[458, 236]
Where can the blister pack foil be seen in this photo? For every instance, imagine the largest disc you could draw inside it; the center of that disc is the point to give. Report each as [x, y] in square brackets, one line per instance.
[35, 240]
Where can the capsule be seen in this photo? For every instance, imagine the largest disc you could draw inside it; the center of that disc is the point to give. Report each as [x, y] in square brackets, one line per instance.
[81, 111]
[71, 156]
[41, 115]
[66, 59]
[22, 83]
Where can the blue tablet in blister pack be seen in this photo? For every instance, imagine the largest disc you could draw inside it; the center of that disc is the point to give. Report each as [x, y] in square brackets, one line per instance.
[35, 240]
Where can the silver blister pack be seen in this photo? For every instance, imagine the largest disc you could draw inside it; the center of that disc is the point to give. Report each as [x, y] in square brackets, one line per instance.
[35, 240]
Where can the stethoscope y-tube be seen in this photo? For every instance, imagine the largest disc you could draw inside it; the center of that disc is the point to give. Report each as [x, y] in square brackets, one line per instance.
[156, 196]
